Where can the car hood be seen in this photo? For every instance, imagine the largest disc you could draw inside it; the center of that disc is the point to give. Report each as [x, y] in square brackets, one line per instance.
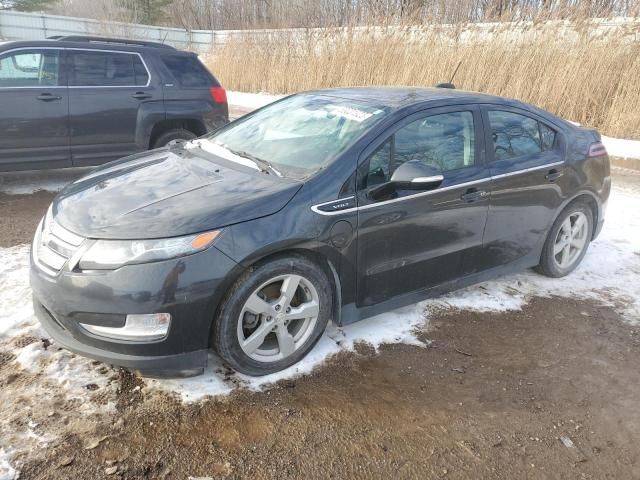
[166, 193]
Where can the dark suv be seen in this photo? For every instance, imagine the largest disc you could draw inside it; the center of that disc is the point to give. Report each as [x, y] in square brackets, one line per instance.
[78, 101]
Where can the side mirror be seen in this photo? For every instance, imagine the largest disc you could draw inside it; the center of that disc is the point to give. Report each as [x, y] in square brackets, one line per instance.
[411, 175]
[415, 175]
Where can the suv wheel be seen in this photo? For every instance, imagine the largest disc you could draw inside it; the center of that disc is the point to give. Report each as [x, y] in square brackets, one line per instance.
[567, 241]
[273, 316]
[176, 134]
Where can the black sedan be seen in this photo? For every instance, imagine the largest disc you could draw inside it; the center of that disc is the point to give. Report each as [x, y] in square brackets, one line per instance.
[327, 205]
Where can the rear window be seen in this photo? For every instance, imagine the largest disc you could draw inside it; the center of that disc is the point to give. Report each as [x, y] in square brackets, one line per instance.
[106, 69]
[187, 70]
[516, 135]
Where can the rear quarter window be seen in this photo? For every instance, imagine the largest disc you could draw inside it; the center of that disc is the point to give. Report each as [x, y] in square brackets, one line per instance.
[187, 70]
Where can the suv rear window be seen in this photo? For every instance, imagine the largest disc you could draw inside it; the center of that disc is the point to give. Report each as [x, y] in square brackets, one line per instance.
[106, 69]
[187, 70]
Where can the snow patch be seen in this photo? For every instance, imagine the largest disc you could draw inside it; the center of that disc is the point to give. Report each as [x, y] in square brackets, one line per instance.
[619, 147]
[398, 326]
[609, 272]
[251, 100]
[7, 472]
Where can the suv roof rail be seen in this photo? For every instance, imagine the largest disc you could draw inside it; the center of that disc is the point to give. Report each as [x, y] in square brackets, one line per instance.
[119, 41]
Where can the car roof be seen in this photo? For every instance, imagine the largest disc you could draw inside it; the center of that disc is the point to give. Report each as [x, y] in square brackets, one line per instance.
[399, 97]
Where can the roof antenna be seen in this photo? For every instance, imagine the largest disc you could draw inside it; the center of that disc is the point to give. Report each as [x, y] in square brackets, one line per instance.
[450, 84]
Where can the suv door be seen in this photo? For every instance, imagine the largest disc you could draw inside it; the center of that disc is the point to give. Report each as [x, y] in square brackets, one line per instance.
[34, 115]
[526, 162]
[412, 239]
[106, 91]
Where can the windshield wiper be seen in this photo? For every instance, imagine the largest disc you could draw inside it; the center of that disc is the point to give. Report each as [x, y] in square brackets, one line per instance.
[265, 166]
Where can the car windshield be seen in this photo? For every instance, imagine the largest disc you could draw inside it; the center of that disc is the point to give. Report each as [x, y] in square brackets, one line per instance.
[297, 136]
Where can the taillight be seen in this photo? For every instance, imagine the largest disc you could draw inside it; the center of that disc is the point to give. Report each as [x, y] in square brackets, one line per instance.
[596, 149]
[218, 94]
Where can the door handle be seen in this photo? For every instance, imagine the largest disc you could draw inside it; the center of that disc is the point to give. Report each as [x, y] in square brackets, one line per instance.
[47, 97]
[553, 175]
[473, 195]
[141, 95]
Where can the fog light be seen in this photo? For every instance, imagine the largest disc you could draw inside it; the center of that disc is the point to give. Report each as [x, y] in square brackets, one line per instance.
[140, 328]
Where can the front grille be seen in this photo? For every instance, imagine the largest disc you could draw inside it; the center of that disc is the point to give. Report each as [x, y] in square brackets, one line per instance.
[54, 245]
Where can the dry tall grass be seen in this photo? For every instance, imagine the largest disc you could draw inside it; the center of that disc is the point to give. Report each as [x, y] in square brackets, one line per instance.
[594, 82]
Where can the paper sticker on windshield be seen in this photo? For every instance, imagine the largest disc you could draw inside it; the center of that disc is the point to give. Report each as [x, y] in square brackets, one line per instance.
[351, 113]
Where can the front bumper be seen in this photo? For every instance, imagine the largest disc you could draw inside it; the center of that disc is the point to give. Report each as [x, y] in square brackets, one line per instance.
[181, 364]
[188, 288]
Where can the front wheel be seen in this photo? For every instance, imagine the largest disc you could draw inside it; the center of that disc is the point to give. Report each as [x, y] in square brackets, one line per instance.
[273, 315]
[567, 241]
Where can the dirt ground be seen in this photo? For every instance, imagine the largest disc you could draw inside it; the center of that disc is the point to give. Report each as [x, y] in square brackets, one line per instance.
[20, 216]
[491, 397]
[547, 392]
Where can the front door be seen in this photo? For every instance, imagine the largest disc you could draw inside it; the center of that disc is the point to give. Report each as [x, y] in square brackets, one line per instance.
[34, 123]
[409, 240]
[106, 90]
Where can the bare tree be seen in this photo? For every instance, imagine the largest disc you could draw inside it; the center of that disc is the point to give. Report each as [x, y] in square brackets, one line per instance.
[247, 14]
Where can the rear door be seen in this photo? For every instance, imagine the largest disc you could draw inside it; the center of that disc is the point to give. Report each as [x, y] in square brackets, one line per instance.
[526, 163]
[411, 240]
[34, 107]
[107, 89]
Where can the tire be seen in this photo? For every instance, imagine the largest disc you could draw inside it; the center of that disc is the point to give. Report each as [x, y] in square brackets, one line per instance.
[260, 302]
[552, 263]
[176, 134]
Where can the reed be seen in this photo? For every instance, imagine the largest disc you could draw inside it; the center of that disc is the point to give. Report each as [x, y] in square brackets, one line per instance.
[592, 81]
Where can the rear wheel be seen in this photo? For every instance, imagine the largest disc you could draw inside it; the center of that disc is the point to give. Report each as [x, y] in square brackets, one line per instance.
[175, 134]
[273, 316]
[567, 241]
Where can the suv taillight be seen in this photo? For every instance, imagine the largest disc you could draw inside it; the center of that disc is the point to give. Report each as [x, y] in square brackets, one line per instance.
[218, 94]
[597, 149]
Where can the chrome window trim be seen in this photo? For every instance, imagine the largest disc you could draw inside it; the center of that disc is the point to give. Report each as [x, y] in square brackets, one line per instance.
[315, 208]
[532, 169]
[83, 50]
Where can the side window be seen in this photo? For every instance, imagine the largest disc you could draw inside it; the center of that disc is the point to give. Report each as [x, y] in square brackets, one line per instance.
[140, 72]
[445, 141]
[187, 70]
[548, 137]
[30, 68]
[515, 135]
[379, 165]
[105, 69]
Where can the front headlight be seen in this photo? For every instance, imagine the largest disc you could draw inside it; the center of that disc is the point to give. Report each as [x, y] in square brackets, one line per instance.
[111, 254]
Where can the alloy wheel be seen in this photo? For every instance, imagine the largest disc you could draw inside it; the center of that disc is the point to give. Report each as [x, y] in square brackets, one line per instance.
[570, 240]
[278, 318]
